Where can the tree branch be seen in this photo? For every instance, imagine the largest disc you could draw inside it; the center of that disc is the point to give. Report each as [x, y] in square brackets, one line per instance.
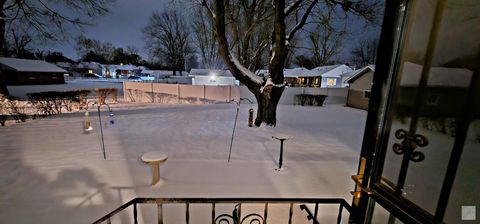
[302, 21]
[290, 8]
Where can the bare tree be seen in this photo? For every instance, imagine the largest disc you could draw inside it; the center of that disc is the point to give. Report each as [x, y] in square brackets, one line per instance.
[325, 39]
[86, 46]
[167, 36]
[205, 40]
[48, 19]
[280, 33]
[365, 52]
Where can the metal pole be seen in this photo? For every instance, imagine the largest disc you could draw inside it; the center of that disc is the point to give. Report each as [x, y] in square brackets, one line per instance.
[280, 161]
[101, 132]
[233, 132]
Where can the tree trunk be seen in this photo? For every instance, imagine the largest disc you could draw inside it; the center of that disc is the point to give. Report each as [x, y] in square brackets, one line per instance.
[3, 85]
[267, 105]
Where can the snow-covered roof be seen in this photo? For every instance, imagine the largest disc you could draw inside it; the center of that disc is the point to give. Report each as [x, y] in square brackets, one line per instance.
[334, 71]
[318, 71]
[295, 72]
[91, 65]
[438, 76]
[157, 72]
[208, 72]
[26, 65]
[358, 73]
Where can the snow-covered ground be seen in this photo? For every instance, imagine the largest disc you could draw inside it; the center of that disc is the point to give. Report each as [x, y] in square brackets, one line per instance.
[51, 172]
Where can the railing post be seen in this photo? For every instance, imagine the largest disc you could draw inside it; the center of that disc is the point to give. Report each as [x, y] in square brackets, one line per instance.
[339, 219]
[265, 213]
[160, 213]
[187, 214]
[213, 213]
[290, 214]
[135, 213]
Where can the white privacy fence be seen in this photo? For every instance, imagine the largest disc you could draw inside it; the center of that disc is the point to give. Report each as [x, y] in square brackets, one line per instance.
[200, 94]
[178, 93]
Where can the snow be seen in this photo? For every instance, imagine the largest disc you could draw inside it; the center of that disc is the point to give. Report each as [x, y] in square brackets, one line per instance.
[26, 65]
[245, 71]
[51, 172]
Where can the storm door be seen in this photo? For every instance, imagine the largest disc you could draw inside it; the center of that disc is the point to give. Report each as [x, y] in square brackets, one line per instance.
[421, 151]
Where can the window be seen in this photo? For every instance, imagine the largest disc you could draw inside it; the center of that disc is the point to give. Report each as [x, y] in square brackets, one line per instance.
[331, 82]
[366, 94]
[432, 100]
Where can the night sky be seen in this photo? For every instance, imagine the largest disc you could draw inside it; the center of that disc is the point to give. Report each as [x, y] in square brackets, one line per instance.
[123, 26]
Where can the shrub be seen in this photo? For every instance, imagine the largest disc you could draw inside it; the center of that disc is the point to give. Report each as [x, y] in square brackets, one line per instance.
[52, 102]
[104, 93]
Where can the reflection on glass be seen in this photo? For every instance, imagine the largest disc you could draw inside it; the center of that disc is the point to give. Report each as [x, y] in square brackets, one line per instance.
[381, 215]
[439, 61]
[467, 180]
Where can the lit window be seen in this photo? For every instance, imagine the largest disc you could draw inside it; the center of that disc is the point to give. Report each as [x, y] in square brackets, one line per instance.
[331, 82]
[90, 71]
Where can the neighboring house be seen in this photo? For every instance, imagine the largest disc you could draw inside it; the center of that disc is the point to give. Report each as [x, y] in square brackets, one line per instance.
[90, 68]
[122, 71]
[359, 87]
[213, 77]
[31, 72]
[296, 76]
[331, 76]
[442, 97]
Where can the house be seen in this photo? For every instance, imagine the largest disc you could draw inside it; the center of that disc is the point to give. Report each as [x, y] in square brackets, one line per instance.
[296, 76]
[213, 77]
[83, 68]
[31, 72]
[122, 71]
[330, 76]
[359, 87]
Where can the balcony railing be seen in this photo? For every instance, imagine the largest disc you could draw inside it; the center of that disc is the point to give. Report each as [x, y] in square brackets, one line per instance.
[236, 216]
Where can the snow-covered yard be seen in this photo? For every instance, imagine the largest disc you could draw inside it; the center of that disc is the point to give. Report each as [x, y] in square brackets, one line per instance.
[51, 172]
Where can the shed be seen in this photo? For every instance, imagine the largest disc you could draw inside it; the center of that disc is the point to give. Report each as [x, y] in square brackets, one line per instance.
[360, 85]
[212, 77]
[31, 72]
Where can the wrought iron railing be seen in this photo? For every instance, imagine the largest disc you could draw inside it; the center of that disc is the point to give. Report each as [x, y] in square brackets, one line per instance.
[236, 217]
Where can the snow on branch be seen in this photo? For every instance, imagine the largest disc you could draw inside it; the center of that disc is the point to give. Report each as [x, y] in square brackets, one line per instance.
[210, 13]
[302, 21]
[245, 71]
[269, 82]
[289, 9]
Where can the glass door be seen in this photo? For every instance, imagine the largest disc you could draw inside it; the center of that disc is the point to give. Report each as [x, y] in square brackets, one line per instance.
[422, 141]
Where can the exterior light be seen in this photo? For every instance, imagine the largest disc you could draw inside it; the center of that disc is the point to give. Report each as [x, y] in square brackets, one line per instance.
[90, 71]
[213, 76]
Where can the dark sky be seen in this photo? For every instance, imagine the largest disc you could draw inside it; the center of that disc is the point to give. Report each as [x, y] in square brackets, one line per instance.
[121, 27]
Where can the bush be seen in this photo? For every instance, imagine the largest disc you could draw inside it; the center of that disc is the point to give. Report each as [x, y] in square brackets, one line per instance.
[104, 93]
[3, 110]
[52, 102]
